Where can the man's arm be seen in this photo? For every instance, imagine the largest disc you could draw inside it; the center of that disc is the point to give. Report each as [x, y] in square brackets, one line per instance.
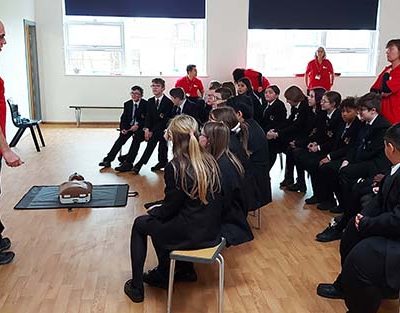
[11, 158]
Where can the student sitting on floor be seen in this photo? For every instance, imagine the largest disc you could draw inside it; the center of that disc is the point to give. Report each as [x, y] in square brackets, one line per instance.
[321, 143]
[370, 247]
[235, 229]
[189, 217]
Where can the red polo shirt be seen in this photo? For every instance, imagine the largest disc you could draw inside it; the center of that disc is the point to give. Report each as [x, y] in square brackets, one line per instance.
[390, 105]
[3, 109]
[190, 86]
[254, 78]
[319, 75]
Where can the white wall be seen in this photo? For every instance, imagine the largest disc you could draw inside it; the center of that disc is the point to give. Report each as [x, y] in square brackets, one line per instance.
[226, 49]
[12, 58]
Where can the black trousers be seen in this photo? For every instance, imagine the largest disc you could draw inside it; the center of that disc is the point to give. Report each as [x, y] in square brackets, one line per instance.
[122, 139]
[363, 277]
[137, 139]
[157, 138]
[348, 176]
[328, 180]
[290, 164]
[140, 230]
[309, 161]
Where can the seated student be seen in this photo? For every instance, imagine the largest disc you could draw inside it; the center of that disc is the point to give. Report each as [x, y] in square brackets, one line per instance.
[214, 138]
[274, 117]
[320, 143]
[189, 217]
[366, 158]
[239, 133]
[244, 88]
[158, 114]
[370, 247]
[182, 105]
[295, 129]
[131, 123]
[329, 166]
[212, 86]
[258, 151]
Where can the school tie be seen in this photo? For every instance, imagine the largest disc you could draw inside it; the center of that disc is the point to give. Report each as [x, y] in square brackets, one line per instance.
[134, 113]
[157, 104]
[178, 111]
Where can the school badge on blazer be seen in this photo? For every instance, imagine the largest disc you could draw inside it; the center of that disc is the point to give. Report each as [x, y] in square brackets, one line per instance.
[271, 117]
[161, 115]
[330, 134]
[346, 140]
[296, 116]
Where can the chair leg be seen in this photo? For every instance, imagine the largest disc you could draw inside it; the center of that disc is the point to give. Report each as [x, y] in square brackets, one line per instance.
[40, 135]
[170, 284]
[34, 138]
[17, 136]
[221, 266]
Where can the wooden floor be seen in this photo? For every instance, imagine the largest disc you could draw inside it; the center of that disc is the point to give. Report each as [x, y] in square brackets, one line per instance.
[78, 261]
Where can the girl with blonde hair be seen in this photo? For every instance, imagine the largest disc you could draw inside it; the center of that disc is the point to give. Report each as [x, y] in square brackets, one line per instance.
[189, 216]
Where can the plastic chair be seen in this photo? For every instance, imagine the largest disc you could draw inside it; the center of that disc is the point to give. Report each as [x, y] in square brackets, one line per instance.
[22, 124]
[208, 255]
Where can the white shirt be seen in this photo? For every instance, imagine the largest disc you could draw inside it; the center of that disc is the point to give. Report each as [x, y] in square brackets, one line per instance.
[394, 169]
[373, 120]
[330, 114]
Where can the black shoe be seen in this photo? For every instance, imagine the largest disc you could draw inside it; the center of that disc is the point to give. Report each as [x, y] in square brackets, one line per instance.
[124, 167]
[156, 278]
[311, 200]
[331, 233]
[185, 275]
[286, 182]
[6, 257]
[105, 163]
[336, 210]
[297, 187]
[329, 291]
[122, 158]
[5, 244]
[158, 166]
[136, 168]
[135, 294]
[326, 205]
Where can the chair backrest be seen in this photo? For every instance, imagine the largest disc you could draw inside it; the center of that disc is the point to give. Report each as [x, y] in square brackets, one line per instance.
[15, 115]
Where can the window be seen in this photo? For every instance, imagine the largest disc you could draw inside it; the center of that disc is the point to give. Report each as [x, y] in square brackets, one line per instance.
[287, 52]
[133, 46]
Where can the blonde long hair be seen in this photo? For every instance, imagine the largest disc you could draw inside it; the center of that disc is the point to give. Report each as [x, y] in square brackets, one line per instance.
[191, 161]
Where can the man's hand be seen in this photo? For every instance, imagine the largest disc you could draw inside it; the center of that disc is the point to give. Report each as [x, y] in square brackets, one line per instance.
[134, 128]
[324, 161]
[11, 158]
[271, 134]
[147, 135]
[344, 164]
[358, 219]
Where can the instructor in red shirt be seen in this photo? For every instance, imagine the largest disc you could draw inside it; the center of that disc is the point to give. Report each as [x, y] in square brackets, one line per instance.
[319, 72]
[9, 156]
[388, 83]
[258, 82]
[192, 86]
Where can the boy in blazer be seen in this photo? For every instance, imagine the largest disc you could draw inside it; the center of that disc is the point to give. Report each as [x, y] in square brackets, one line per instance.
[329, 165]
[158, 114]
[367, 157]
[131, 123]
[370, 248]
